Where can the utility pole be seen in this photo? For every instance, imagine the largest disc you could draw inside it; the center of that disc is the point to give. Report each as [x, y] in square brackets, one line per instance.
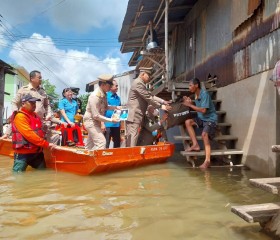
[2, 88]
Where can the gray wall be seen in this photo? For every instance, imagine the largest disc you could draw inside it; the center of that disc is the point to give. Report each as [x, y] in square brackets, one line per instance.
[251, 109]
[124, 81]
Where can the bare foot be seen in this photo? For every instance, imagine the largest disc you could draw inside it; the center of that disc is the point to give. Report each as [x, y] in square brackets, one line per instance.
[193, 149]
[205, 165]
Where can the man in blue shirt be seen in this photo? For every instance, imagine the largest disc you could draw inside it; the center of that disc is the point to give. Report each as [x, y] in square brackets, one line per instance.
[206, 119]
[112, 129]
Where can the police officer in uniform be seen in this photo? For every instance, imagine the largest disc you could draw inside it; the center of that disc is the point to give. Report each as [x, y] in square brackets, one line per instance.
[43, 108]
[75, 97]
[138, 100]
[95, 110]
[34, 88]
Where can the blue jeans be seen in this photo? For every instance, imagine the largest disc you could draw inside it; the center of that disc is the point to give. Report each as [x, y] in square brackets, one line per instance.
[35, 160]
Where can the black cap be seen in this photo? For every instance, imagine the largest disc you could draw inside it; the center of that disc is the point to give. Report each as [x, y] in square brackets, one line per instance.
[75, 90]
[29, 98]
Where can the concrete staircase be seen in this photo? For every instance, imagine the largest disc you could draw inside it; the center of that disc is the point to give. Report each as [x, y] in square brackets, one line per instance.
[266, 214]
[223, 146]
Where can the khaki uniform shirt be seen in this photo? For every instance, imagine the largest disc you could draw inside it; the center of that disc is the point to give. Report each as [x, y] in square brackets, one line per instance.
[96, 106]
[43, 108]
[138, 100]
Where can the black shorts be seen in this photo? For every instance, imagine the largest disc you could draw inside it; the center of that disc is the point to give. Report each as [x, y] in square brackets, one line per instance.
[207, 127]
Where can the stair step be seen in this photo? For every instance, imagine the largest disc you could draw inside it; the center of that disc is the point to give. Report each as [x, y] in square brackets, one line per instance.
[271, 185]
[257, 212]
[158, 89]
[218, 138]
[218, 152]
[218, 112]
[214, 89]
[224, 124]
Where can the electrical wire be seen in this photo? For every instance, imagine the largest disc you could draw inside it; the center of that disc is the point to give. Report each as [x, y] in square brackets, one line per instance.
[32, 56]
[21, 47]
[52, 7]
[87, 59]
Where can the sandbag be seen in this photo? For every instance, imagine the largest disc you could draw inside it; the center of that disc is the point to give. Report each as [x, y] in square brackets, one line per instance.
[178, 114]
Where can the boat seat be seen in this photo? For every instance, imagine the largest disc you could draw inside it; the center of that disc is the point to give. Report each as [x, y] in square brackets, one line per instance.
[71, 136]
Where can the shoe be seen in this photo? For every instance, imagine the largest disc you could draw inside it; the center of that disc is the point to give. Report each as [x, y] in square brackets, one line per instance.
[70, 143]
[205, 165]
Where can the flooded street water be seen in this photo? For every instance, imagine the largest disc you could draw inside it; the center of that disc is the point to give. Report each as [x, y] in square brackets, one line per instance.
[165, 201]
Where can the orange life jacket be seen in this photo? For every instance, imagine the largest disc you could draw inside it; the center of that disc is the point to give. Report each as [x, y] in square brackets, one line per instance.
[18, 140]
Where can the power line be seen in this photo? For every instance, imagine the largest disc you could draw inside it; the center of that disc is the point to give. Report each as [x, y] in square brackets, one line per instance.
[61, 55]
[33, 57]
[21, 47]
[49, 42]
[52, 7]
[71, 39]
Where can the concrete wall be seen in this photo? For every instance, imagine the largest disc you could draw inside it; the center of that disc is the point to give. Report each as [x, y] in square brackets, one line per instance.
[124, 82]
[251, 107]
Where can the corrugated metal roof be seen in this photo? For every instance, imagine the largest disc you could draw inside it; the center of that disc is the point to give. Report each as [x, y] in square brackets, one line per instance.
[138, 15]
[2, 63]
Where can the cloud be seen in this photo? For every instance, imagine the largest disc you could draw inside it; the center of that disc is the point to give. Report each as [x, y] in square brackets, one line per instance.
[12, 10]
[83, 15]
[69, 15]
[65, 68]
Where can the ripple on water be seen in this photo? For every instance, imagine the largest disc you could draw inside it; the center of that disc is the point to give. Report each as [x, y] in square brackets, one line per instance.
[165, 201]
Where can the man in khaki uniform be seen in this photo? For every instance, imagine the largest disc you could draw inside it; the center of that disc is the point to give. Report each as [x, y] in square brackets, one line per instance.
[138, 100]
[43, 108]
[95, 110]
[34, 88]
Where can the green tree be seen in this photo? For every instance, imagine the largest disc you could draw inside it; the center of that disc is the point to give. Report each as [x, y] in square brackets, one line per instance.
[84, 99]
[50, 90]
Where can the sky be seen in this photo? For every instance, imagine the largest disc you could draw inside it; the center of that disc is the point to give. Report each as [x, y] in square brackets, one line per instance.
[70, 42]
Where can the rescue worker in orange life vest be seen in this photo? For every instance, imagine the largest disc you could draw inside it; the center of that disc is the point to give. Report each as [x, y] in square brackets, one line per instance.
[28, 136]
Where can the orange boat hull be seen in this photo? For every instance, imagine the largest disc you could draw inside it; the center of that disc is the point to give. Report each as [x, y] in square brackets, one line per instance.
[84, 162]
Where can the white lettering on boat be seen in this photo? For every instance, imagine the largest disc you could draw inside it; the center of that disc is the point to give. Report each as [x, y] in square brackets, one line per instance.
[104, 153]
[155, 149]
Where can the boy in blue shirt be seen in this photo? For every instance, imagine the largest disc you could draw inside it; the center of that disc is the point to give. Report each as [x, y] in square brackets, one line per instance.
[112, 129]
[206, 119]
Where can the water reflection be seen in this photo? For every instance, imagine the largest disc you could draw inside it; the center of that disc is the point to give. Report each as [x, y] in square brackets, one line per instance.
[165, 201]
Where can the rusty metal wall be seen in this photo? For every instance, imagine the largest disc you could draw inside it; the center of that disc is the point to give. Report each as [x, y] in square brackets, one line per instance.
[253, 5]
[228, 43]
[180, 52]
[239, 13]
[257, 57]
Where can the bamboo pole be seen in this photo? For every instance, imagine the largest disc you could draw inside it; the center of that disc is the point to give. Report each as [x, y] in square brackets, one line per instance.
[166, 40]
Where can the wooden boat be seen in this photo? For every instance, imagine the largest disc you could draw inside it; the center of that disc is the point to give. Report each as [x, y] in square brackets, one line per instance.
[84, 162]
